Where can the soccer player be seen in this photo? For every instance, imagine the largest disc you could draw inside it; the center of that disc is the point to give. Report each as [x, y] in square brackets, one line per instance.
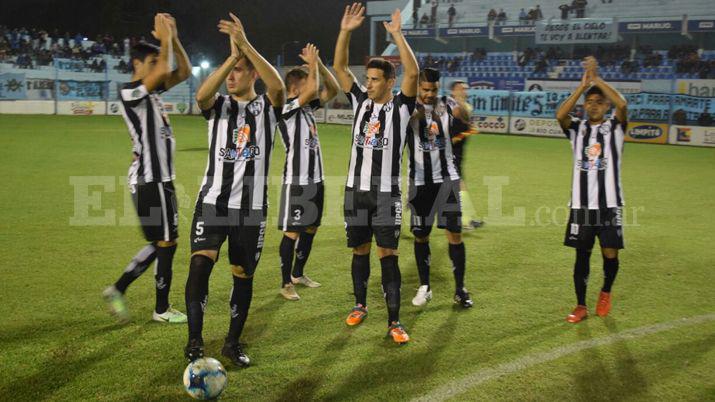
[302, 193]
[232, 201]
[373, 201]
[597, 194]
[151, 173]
[463, 129]
[434, 184]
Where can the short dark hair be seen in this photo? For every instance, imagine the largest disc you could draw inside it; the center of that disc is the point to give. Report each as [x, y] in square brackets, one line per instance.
[455, 83]
[294, 75]
[141, 50]
[388, 69]
[429, 75]
[594, 90]
[249, 64]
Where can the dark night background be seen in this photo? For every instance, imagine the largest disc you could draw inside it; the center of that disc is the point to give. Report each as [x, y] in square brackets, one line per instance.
[270, 24]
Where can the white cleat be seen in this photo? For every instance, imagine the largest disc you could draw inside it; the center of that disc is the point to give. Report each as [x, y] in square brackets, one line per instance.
[305, 281]
[288, 292]
[423, 296]
[171, 315]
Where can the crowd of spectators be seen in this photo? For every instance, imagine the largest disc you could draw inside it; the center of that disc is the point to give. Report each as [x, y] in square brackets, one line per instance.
[29, 48]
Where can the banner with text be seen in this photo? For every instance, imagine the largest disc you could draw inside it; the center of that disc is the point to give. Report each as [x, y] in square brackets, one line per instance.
[582, 30]
[690, 135]
[82, 90]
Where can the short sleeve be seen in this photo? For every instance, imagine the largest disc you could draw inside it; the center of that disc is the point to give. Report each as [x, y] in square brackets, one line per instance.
[214, 110]
[573, 127]
[357, 95]
[315, 104]
[291, 107]
[132, 93]
[275, 109]
[616, 122]
[408, 101]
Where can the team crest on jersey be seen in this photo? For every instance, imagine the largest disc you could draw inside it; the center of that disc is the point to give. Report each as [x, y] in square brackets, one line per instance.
[387, 107]
[255, 108]
[592, 158]
[370, 137]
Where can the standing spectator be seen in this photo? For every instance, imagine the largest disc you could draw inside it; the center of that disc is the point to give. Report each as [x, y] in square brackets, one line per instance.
[531, 16]
[491, 16]
[538, 14]
[522, 17]
[451, 13]
[433, 15]
[580, 7]
[501, 18]
[424, 20]
[565, 8]
[415, 17]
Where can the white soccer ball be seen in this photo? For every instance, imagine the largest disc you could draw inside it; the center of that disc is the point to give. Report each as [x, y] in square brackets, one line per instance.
[205, 378]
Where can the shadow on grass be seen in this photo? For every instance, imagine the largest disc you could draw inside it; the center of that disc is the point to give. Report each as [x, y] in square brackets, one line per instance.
[396, 368]
[64, 365]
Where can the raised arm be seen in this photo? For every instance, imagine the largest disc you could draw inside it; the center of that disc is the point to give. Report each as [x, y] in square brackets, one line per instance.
[411, 70]
[275, 89]
[330, 84]
[310, 91]
[158, 75]
[612, 94]
[206, 95]
[183, 70]
[562, 113]
[352, 19]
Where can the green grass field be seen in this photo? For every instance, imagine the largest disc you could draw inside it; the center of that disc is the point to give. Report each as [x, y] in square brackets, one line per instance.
[57, 341]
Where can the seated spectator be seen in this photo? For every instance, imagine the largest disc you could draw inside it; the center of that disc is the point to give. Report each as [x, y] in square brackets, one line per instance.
[424, 20]
[680, 118]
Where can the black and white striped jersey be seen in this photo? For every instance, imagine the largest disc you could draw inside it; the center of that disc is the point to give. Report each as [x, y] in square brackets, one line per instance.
[429, 142]
[240, 136]
[378, 139]
[153, 142]
[299, 131]
[597, 154]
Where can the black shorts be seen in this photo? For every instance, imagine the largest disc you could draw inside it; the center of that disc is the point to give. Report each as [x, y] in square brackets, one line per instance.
[458, 152]
[244, 228]
[301, 207]
[587, 224]
[372, 212]
[440, 199]
[157, 209]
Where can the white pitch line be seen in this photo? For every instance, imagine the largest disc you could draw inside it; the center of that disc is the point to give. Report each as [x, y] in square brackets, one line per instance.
[462, 385]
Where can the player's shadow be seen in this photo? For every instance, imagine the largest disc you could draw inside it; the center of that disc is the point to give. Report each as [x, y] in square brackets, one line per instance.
[398, 366]
[304, 387]
[203, 149]
[65, 364]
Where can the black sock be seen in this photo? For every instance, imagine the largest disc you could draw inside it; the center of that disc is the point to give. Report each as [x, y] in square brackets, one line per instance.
[458, 257]
[610, 270]
[580, 274]
[241, 295]
[302, 251]
[136, 267]
[361, 274]
[162, 277]
[391, 281]
[286, 253]
[197, 294]
[423, 257]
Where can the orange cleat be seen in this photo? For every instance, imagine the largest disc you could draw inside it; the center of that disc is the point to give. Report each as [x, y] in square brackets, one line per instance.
[356, 316]
[578, 314]
[604, 304]
[398, 334]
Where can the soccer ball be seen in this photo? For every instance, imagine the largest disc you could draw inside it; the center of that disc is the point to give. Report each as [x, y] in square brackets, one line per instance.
[205, 378]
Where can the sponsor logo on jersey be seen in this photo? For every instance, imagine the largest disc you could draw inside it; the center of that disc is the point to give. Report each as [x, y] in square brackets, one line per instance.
[592, 160]
[370, 137]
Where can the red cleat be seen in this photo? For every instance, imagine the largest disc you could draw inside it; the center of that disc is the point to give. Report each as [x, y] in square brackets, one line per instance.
[604, 304]
[578, 314]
